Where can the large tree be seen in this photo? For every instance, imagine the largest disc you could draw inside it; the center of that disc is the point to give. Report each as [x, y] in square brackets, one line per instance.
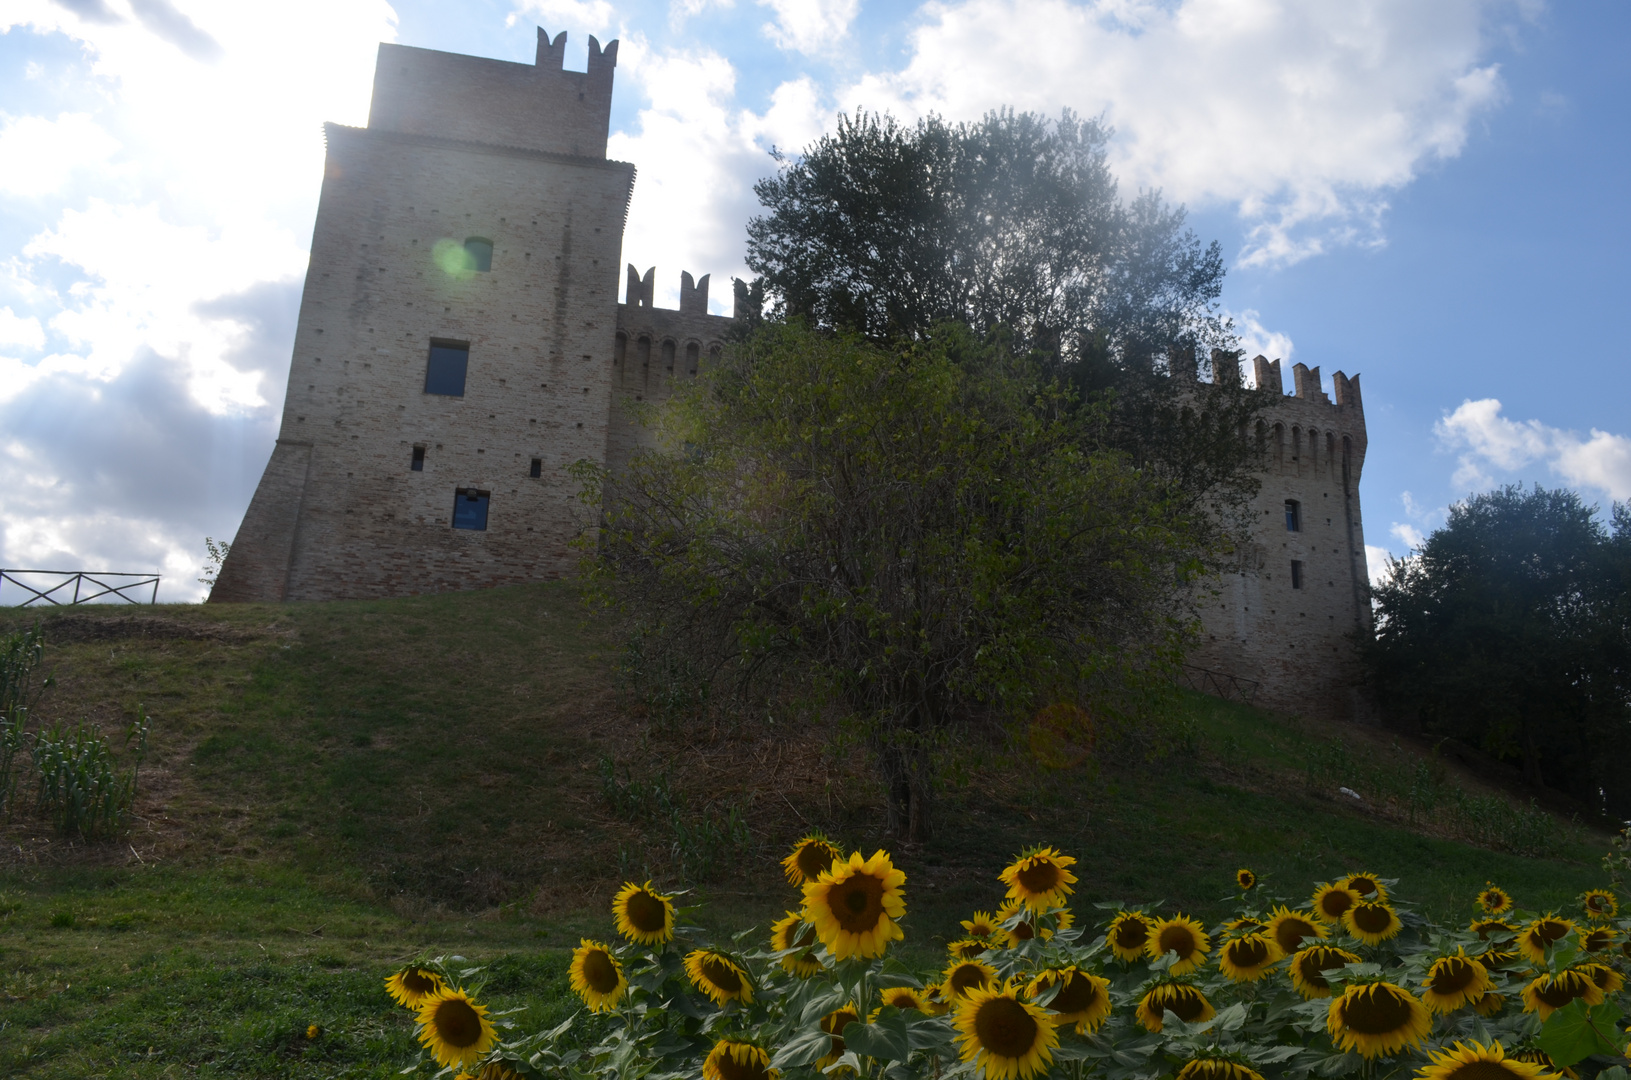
[1511, 628]
[919, 531]
[1015, 224]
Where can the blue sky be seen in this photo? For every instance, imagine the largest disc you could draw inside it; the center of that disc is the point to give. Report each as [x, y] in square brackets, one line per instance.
[1430, 195]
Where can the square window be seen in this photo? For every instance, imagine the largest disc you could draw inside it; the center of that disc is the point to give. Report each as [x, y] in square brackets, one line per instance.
[537, 468]
[1296, 570]
[478, 254]
[444, 372]
[418, 464]
[470, 509]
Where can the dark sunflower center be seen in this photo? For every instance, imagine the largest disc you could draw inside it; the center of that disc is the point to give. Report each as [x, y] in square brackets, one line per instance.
[1335, 902]
[1493, 899]
[1132, 933]
[1078, 994]
[1024, 931]
[599, 972]
[1313, 970]
[1376, 1010]
[1548, 930]
[646, 913]
[418, 982]
[973, 948]
[1598, 940]
[806, 936]
[722, 975]
[1372, 918]
[1558, 991]
[1248, 952]
[1365, 886]
[1483, 1070]
[1040, 877]
[1186, 1001]
[901, 999]
[1004, 1028]
[457, 1023]
[815, 860]
[965, 977]
[834, 1024]
[1453, 976]
[1491, 926]
[857, 903]
[1290, 933]
[1176, 939]
[732, 1069]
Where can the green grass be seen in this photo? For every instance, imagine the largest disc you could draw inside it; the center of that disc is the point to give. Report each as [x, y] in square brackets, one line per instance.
[334, 789]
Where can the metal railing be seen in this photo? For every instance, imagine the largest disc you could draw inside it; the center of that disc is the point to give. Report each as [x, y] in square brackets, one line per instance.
[87, 585]
[1221, 684]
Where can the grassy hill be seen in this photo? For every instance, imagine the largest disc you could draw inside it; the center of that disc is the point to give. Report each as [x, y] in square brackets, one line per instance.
[335, 788]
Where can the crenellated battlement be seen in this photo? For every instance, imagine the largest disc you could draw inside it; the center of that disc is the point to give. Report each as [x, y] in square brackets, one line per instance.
[641, 292]
[538, 106]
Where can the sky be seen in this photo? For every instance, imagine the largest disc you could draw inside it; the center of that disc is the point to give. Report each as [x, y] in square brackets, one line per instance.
[1431, 196]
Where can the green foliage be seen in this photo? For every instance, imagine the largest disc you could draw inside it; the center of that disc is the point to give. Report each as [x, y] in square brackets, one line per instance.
[1511, 629]
[922, 532]
[79, 784]
[1577, 1031]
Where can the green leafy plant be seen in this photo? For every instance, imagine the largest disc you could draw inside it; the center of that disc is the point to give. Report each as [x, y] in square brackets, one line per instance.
[80, 785]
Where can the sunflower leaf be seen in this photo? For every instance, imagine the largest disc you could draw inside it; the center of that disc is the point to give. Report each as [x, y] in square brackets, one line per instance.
[802, 1049]
[887, 1039]
[1573, 1033]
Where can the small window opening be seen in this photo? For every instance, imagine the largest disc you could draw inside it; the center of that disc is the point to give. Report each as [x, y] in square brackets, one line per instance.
[1294, 516]
[537, 468]
[418, 464]
[479, 254]
[668, 356]
[444, 373]
[1296, 573]
[470, 509]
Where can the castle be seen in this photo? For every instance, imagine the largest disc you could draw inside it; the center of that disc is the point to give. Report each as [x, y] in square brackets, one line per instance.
[460, 345]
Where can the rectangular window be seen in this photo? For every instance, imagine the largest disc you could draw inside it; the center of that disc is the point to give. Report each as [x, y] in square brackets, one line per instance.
[1296, 573]
[537, 468]
[470, 509]
[418, 464]
[1294, 516]
[444, 373]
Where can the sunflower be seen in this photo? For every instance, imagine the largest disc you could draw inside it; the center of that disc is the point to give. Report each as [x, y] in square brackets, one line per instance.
[1454, 981]
[809, 857]
[1494, 900]
[1488, 928]
[853, 905]
[1010, 1039]
[644, 915]
[968, 948]
[1607, 979]
[834, 1024]
[1600, 904]
[1309, 966]
[983, 925]
[454, 1028]
[1248, 958]
[1290, 928]
[1181, 935]
[597, 976]
[493, 1070]
[1551, 992]
[1180, 998]
[1330, 901]
[1217, 1069]
[1495, 959]
[733, 1059]
[1489, 1004]
[1372, 922]
[1245, 925]
[904, 997]
[1245, 879]
[413, 984]
[934, 996]
[792, 932]
[1475, 1061]
[1368, 886]
[1128, 933]
[718, 976]
[1377, 1018]
[1026, 928]
[967, 975]
[1039, 879]
[1598, 939]
[1083, 998]
[1543, 932]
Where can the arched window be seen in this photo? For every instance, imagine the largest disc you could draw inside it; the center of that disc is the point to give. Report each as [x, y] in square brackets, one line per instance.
[693, 352]
[668, 354]
[478, 254]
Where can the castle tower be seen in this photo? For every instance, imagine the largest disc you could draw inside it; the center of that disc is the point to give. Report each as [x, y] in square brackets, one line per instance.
[454, 347]
[1286, 619]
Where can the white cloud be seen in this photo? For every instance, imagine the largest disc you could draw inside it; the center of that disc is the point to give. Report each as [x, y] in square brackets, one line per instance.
[681, 10]
[583, 16]
[1489, 441]
[1302, 116]
[1258, 340]
[1408, 535]
[1376, 559]
[41, 155]
[19, 330]
[810, 26]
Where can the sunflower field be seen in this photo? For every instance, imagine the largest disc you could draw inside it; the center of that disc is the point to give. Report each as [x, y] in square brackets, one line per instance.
[1344, 980]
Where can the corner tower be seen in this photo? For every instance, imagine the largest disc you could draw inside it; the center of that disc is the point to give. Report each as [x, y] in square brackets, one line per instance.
[454, 347]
